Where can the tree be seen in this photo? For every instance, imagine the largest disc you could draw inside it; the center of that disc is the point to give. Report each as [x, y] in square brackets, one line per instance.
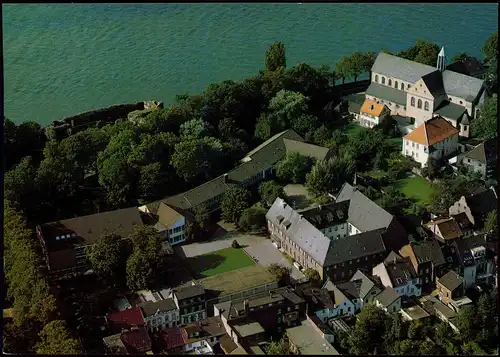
[305, 124]
[147, 240]
[281, 272]
[313, 276]
[269, 191]
[491, 223]
[235, 200]
[467, 323]
[151, 182]
[140, 271]
[471, 348]
[490, 48]
[329, 175]
[423, 52]
[106, 255]
[485, 125]
[293, 167]
[391, 199]
[198, 227]
[253, 219]
[195, 129]
[343, 68]
[20, 186]
[286, 106]
[55, 340]
[368, 333]
[275, 56]
[459, 57]
[394, 334]
[280, 347]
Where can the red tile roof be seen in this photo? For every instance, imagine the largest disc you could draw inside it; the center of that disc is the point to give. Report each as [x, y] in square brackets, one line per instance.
[126, 318]
[136, 340]
[173, 337]
[432, 131]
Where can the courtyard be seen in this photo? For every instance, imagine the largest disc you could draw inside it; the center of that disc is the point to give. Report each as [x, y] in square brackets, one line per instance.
[416, 188]
[218, 262]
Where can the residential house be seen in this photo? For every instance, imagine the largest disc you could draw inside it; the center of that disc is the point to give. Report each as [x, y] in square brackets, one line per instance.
[170, 340]
[172, 222]
[427, 260]
[476, 205]
[398, 273]
[477, 260]
[348, 291]
[134, 340]
[369, 287]
[446, 230]
[126, 319]
[482, 158]
[352, 104]
[327, 302]
[114, 345]
[305, 339]
[450, 287]
[191, 302]
[64, 242]
[373, 113]
[371, 231]
[273, 311]
[418, 91]
[434, 139]
[160, 314]
[202, 336]
[255, 167]
[388, 300]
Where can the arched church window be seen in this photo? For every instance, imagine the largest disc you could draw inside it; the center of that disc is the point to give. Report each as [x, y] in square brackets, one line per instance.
[419, 104]
[426, 105]
[396, 84]
[389, 82]
[412, 101]
[383, 80]
[402, 86]
[408, 86]
[376, 78]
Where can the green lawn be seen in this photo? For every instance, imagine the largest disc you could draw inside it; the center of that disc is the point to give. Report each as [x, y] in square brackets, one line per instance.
[376, 174]
[397, 141]
[415, 187]
[220, 261]
[352, 129]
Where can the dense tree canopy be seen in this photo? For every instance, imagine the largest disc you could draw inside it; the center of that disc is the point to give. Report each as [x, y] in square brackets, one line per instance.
[423, 52]
[269, 191]
[253, 219]
[281, 272]
[327, 176]
[485, 125]
[106, 256]
[490, 48]
[235, 200]
[293, 168]
[55, 340]
[275, 56]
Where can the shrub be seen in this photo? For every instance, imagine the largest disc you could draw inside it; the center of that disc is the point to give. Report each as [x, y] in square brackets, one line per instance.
[235, 244]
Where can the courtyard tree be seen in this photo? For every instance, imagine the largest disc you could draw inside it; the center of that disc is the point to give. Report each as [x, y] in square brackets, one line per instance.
[286, 106]
[198, 227]
[140, 272]
[281, 347]
[313, 276]
[491, 223]
[55, 340]
[269, 191]
[235, 200]
[253, 219]
[275, 56]
[305, 124]
[368, 333]
[281, 272]
[329, 175]
[294, 167]
[106, 255]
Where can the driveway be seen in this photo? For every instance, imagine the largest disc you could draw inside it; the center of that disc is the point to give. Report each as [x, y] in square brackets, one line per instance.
[258, 247]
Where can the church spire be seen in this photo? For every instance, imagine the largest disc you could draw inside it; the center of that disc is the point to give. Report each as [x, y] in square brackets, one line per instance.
[441, 61]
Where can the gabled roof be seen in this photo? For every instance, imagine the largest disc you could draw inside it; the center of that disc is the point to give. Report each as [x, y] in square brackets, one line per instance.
[451, 280]
[372, 108]
[355, 247]
[400, 68]
[399, 269]
[172, 337]
[448, 227]
[351, 289]
[484, 152]
[468, 66]
[368, 282]
[136, 340]
[462, 86]
[364, 214]
[190, 291]
[125, 319]
[428, 251]
[387, 296]
[150, 308]
[434, 82]
[88, 229]
[306, 149]
[450, 110]
[432, 131]
[167, 215]
[482, 202]
[323, 216]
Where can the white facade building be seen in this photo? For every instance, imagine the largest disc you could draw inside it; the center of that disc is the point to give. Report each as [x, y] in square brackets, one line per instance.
[160, 315]
[398, 273]
[373, 113]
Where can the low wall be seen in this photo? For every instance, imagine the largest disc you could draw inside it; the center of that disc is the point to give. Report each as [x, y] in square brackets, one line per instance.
[76, 123]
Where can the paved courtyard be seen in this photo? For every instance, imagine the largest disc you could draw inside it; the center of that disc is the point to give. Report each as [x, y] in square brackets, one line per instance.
[258, 247]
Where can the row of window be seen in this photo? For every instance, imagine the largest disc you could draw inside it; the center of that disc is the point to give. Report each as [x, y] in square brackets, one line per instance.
[177, 239]
[176, 230]
[419, 104]
[193, 309]
[389, 83]
[191, 318]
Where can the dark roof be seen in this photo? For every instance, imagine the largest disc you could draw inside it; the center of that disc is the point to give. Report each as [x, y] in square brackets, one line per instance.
[387, 296]
[189, 291]
[114, 344]
[323, 216]
[451, 280]
[213, 326]
[463, 221]
[482, 202]
[401, 68]
[136, 340]
[368, 282]
[355, 247]
[354, 102]
[484, 152]
[399, 269]
[150, 308]
[351, 289]
[227, 344]
[428, 251]
[87, 229]
[469, 66]
[387, 93]
[288, 294]
[306, 149]
[434, 82]
[449, 228]
[319, 298]
[450, 110]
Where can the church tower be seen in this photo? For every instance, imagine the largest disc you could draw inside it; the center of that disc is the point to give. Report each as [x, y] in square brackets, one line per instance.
[441, 62]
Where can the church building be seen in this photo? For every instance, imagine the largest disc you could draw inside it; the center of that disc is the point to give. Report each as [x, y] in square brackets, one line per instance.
[414, 90]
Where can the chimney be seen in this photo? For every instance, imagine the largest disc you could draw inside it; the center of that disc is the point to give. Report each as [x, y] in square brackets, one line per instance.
[225, 177]
[245, 306]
